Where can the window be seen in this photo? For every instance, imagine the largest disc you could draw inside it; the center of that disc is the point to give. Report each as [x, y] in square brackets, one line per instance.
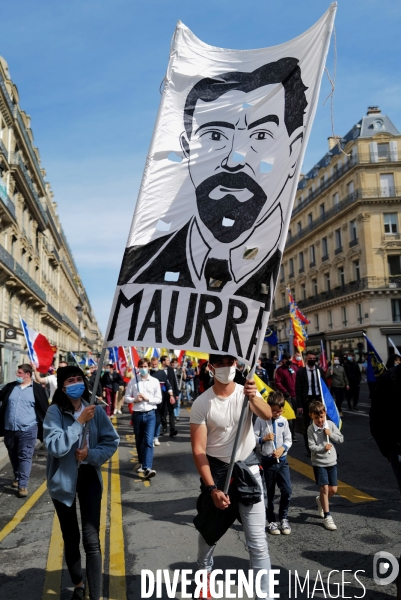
[282, 276]
[390, 223]
[357, 271]
[350, 188]
[352, 232]
[299, 227]
[394, 264]
[314, 287]
[344, 313]
[283, 302]
[336, 199]
[338, 239]
[341, 277]
[330, 319]
[289, 234]
[291, 264]
[301, 262]
[316, 322]
[325, 249]
[303, 291]
[312, 255]
[383, 151]
[327, 282]
[322, 181]
[359, 313]
[387, 185]
[310, 219]
[322, 210]
[396, 310]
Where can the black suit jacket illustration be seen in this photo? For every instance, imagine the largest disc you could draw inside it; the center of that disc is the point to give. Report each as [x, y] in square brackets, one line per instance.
[174, 258]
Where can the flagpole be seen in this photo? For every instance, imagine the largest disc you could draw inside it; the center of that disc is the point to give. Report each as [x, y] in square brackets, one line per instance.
[94, 390]
[241, 421]
[321, 395]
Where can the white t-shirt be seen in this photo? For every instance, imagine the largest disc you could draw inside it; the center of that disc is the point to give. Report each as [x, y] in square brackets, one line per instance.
[76, 415]
[51, 380]
[221, 416]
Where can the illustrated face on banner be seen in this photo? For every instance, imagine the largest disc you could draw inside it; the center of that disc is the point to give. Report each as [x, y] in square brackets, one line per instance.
[203, 255]
[240, 156]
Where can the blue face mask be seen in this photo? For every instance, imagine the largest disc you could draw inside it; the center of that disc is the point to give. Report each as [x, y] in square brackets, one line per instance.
[20, 379]
[75, 390]
[350, 358]
[143, 371]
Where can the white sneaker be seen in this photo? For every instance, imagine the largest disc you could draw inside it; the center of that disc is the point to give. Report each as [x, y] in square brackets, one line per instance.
[149, 473]
[140, 470]
[285, 527]
[273, 528]
[119, 412]
[156, 442]
[319, 507]
[329, 523]
[115, 411]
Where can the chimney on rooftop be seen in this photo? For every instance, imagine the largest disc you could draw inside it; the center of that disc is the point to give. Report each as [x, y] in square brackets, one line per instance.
[373, 110]
[333, 141]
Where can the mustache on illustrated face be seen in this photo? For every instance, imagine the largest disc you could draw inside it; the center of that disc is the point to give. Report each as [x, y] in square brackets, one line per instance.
[227, 218]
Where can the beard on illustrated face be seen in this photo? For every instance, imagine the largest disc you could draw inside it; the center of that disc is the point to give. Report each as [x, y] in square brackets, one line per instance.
[240, 157]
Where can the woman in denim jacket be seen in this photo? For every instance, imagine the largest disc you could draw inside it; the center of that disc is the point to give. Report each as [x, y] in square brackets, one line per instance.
[71, 471]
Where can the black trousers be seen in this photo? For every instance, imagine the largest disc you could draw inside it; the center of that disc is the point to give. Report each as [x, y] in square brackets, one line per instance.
[89, 493]
[338, 394]
[353, 394]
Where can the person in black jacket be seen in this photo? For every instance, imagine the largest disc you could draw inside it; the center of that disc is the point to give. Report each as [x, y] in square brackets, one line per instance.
[23, 407]
[354, 377]
[307, 390]
[111, 381]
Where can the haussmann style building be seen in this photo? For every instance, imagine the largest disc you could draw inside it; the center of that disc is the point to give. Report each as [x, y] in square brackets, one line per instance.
[342, 259]
[38, 277]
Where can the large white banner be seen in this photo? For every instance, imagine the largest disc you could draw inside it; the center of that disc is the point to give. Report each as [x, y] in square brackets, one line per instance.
[211, 220]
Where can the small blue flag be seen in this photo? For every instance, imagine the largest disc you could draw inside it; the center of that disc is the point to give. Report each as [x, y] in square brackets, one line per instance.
[271, 337]
[375, 366]
[331, 408]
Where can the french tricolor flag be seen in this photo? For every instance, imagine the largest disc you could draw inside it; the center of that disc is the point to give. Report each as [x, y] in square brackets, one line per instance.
[39, 349]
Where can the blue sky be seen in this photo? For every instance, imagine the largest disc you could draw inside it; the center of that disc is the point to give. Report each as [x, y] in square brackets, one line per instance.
[88, 73]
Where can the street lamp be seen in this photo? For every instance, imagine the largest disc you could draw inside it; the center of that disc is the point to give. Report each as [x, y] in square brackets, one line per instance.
[80, 309]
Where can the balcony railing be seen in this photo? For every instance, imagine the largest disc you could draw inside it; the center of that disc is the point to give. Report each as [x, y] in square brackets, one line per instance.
[8, 203]
[366, 283]
[338, 250]
[28, 142]
[355, 159]
[301, 269]
[6, 95]
[354, 242]
[3, 149]
[312, 264]
[51, 310]
[11, 263]
[392, 192]
[17, 160]
[70, 323]
[53, 224]
[325, 257]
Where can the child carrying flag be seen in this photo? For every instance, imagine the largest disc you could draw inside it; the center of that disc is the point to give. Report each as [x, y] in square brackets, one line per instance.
[275, 439]
[321, 434]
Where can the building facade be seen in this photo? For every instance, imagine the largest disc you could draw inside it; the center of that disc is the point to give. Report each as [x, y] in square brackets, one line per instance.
[39, 280]
[342, 259]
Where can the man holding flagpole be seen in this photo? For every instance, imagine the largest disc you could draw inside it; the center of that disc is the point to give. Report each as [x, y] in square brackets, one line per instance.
[214, 419]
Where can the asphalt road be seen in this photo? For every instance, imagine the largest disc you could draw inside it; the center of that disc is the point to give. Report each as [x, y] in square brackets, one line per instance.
[149, 526]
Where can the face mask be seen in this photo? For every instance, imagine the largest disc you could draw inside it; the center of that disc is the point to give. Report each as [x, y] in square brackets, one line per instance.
[225, 374]
[336, 362]
[298, 358]
[311, 363]
[20, 379]
[143, 371]
[75, 390]
[350, 358]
